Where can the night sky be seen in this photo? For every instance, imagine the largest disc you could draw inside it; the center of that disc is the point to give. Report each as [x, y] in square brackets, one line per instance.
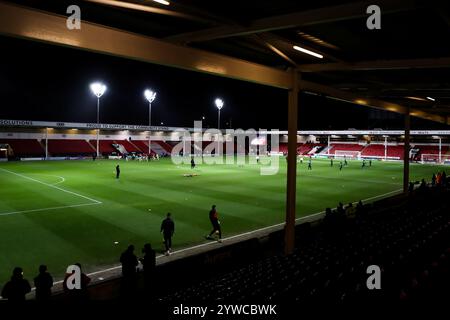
[45, 82]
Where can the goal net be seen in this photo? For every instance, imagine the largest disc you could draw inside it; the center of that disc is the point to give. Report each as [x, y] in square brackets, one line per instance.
[434, 158]
[347, 154]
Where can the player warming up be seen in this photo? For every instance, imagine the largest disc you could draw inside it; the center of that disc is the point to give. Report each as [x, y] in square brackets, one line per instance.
[309, 164]
[192, 163]
[214, 218]
[168, 229]
[117, 172]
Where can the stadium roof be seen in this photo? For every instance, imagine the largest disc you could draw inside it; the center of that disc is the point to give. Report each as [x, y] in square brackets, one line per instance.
[401, 66]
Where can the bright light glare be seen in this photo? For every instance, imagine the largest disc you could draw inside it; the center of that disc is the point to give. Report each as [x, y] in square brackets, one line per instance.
[219, 103]
[431, 99]
[164, 2]
[149, 95]
[317, 55]
[98, 89]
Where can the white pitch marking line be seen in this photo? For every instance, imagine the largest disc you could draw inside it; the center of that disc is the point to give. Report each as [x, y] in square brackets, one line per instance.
[61, 179]
[52, 186]
[46, 209]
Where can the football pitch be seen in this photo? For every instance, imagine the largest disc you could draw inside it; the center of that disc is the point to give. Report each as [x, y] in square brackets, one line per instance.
[61, 212]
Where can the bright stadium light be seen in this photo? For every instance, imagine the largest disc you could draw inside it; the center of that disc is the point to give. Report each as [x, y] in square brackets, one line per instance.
[219, 104]
[164, 2]
[311, 53]
[98, 89]
[431, 99]
[150, 96]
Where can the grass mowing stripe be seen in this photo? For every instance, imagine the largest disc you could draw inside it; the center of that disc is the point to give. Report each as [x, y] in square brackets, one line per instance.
[241, 235]
[52, 186]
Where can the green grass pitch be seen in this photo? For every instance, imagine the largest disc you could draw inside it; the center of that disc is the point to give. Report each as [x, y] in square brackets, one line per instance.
[61, 212]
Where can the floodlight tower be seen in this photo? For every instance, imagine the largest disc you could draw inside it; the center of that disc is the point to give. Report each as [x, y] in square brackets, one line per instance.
[150, 97]
[219, 104]
[98, 89]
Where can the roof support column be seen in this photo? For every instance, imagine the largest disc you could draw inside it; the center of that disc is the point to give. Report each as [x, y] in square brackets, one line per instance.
[406, 151]
[291, 187]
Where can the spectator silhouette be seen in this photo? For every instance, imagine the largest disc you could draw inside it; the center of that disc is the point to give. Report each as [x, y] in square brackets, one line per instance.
[168, 229]
[16, 288]
[129, 263]
[149, 265]
[423, 185]
[43, 283]
[77, 294]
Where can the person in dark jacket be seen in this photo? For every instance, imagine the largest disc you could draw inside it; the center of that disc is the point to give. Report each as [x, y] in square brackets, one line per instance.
[214, 218]
[43, 283]
[168, 229]
[149, 265]
[16, 289]
[117, 172]
[129, 263]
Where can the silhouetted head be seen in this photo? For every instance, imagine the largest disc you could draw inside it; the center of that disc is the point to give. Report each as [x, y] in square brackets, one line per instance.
[147, 248]
[214, 206]
[17, 273]
[42, 268]
[130, 248]
[168, 214]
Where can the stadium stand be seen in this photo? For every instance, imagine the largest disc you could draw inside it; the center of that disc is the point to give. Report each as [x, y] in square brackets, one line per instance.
[408, 239]
[141, 145]
[345, 147]
[129, 146]
[69, 147]
[167, 147]
[377, 151]
[430, 149]
[304, 149]
[105, 146]
[25, 147]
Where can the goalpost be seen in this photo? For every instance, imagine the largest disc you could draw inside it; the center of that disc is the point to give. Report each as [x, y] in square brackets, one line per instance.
[435, 158]
[347, 154]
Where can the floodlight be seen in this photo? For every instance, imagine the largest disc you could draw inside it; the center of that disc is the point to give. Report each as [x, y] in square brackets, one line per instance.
[219, 103]
[98, 89]
[150, 95]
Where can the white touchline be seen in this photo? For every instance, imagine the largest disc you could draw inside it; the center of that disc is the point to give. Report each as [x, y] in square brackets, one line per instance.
[52, 186]
[239, 235]
[50, 208]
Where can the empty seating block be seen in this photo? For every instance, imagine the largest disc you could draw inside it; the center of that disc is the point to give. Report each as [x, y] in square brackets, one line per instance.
[25, 147]
[62, 147]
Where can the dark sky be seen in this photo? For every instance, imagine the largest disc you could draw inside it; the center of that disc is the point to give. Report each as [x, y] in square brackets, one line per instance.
[44, 82]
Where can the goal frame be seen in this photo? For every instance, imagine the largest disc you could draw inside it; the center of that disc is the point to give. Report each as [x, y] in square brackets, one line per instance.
[430, 158]
[348, 154]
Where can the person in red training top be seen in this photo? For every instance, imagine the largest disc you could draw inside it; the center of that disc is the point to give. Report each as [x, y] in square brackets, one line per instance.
[214, 218]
